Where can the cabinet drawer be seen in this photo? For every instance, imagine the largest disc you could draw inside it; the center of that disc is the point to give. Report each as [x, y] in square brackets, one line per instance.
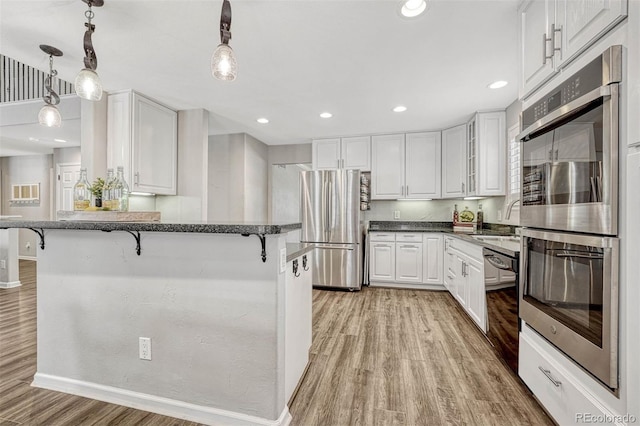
[555, 388]
[409, 237]
[382, 236]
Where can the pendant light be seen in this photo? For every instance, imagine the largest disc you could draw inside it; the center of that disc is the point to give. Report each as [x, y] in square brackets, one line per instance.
[87, 83]
[223, 62]
[49, 115]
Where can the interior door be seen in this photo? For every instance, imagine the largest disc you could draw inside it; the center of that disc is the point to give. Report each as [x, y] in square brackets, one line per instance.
[67, 176]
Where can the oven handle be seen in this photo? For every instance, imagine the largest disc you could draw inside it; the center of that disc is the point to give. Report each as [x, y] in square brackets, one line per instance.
[581, 256]
[560, 113]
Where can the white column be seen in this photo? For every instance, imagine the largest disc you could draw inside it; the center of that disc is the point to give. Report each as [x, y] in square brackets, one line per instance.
[9, 274]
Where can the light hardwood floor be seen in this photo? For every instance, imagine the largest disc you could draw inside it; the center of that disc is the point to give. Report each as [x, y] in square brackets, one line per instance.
[379, 357]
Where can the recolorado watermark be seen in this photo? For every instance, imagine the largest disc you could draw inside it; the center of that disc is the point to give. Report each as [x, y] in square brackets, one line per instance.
[605, 418]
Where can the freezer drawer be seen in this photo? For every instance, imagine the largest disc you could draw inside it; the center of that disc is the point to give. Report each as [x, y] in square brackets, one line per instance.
[337, 266]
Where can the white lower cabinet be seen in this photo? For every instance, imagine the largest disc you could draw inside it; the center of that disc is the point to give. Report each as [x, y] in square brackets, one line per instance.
[464, 278]
[382, 261]
[409, 262]
[406, 259]
[298, 302]
[561, 393]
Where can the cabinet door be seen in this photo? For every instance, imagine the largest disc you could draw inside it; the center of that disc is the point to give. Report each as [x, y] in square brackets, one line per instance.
[491, 153]
[387, 167]
[356, 153]
[472, 156]
[155, 147]
[326, 154]
[583, 22]
[433, 259]
[423, 165]
[409, 263]
[382, 262]
[460, 283]
[454, 162]
[119, 133]
[536, 17]
[476, 302]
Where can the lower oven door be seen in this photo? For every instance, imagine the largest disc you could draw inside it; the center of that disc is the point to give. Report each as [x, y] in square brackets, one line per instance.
[569, 294]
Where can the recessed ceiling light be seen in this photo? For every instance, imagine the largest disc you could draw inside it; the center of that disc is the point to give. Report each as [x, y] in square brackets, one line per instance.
[60, 140]
[326, 115]
[413, 8]
[400, 108]
[262, 120]
[34, 139]
[498, 84]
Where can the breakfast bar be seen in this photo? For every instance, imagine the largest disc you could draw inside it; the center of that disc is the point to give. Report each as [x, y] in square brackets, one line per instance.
[210, 298]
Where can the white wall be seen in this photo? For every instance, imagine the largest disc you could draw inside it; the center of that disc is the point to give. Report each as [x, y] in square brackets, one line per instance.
[190, 203]
[27, 169]
[237, 178]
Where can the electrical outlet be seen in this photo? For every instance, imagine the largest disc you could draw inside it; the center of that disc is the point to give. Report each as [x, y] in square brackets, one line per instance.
[144, 345]
[499, 216]
[283, 260]
[396, 214]
[3, 264]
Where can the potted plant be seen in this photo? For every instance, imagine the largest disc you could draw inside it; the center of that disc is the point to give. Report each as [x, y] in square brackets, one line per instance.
[96, 191]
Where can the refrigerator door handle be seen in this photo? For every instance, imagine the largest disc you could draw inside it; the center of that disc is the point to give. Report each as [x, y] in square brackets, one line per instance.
[332, 247]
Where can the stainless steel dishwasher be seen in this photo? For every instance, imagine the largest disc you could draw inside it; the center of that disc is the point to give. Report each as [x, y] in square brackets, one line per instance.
[503, 324]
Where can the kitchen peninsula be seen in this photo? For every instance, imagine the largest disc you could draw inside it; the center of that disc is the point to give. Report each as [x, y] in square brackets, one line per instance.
[211, 297]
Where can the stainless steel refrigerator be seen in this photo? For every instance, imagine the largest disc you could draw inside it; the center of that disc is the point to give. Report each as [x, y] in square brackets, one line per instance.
[330, 201]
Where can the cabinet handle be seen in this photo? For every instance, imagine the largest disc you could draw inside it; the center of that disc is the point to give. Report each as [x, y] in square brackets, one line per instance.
[409, 246]
[462, 187]
[338, 163]
[555, 30]
[547, 373]
[546, 39]
[136, 178]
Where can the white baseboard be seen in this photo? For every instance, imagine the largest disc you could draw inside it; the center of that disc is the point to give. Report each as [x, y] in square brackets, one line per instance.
[438, 287]
[27, 258]
[10, 284]
[155, 404]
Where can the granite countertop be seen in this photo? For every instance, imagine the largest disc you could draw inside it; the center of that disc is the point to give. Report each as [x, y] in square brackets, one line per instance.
[447, 227]
[298, 249]
[196, 227]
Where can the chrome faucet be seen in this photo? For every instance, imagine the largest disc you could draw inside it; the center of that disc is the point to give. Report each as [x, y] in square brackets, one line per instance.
[510, 207]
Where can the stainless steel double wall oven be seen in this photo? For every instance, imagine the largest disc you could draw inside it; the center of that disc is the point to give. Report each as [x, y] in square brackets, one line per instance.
[569, 207]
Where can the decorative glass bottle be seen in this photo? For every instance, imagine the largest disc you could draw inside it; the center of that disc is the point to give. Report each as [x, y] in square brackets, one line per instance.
[82, 192]
[479, 217]
[455, 214]
[121, 191]
[107, 191]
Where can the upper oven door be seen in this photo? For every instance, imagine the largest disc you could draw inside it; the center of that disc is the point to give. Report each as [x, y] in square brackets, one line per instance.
[570, 166]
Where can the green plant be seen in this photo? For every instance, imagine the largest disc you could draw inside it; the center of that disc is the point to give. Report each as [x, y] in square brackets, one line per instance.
[96, 187]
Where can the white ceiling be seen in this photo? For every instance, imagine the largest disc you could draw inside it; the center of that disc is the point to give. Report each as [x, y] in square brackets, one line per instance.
[356, 59]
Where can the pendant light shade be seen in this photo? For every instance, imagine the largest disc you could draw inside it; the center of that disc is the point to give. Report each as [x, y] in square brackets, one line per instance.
[49, 116]
[88, 85]
[223, 62]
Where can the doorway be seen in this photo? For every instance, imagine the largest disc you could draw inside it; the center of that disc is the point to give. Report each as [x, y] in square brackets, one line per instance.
[67, 174]
[285, 192]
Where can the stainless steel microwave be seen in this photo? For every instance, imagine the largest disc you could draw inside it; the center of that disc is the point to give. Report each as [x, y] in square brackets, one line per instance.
[569, 152]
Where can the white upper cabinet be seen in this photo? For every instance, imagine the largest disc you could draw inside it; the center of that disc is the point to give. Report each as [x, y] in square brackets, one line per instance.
[342, 153]
[326, 154]
[554, 32]
[454, 162]
[487, 154]
[406, 166]
[536, 61]
[142, 137]
[582, 22]
[387, 167]
[423, 165]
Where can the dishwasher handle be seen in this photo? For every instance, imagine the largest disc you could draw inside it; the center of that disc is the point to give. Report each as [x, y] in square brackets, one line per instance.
[497, 262]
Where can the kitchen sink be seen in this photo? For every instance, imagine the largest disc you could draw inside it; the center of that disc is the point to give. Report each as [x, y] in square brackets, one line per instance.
[509, 242]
